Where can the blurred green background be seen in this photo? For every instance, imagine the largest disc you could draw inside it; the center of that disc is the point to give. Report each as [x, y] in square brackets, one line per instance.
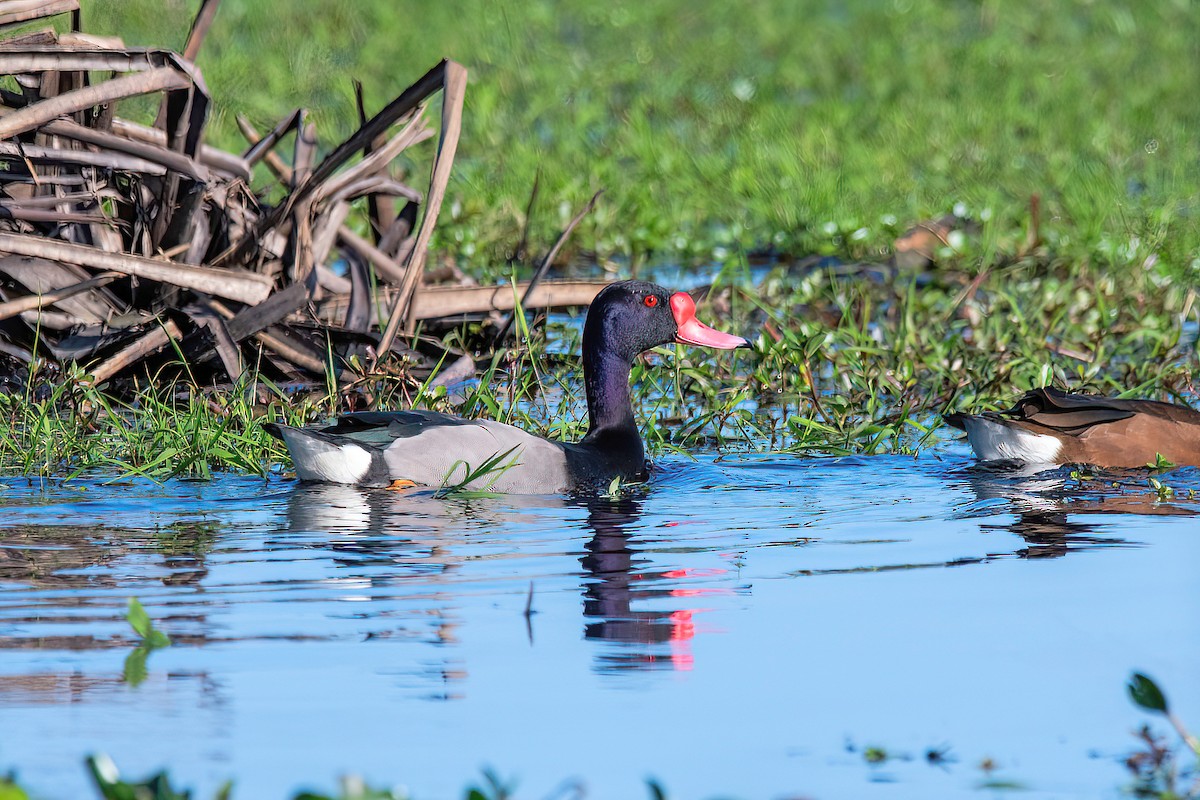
[718, 126]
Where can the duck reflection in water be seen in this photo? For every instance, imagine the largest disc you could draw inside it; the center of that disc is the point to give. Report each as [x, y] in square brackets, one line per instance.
[613, 581]
[432, 540]
[1057, 512]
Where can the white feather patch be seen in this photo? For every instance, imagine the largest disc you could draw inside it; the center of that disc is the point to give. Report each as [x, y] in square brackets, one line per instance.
[994, 441]
[318, 460]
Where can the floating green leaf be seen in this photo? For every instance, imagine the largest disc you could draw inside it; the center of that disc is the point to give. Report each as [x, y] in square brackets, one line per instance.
[1003, 784]
[152, 639]
[875, 755]
[138, 618]
[143, 626]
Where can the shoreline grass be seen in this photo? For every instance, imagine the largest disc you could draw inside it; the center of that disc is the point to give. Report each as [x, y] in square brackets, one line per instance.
[839, 365]
[823, 129]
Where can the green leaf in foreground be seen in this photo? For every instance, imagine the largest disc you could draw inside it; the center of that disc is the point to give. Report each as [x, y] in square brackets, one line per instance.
[108, 782]
[354, 788]
[495, 788]
[10, 789]
[1145, 693]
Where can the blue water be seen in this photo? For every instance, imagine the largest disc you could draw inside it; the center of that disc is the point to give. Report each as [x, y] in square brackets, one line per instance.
[740, 627]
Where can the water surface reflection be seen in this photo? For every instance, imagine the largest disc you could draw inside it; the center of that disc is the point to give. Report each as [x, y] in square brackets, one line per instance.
[434, 540]
[1057, 511]
[387, 633]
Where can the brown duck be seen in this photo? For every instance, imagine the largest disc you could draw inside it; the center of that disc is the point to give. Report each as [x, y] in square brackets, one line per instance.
[1047, 426]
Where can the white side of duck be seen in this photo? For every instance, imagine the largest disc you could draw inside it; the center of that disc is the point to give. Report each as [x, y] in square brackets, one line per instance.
[317, 459]
[994, 441]
[430, 449]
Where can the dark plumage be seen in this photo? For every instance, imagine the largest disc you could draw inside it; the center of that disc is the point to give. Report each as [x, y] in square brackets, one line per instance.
[429, 449]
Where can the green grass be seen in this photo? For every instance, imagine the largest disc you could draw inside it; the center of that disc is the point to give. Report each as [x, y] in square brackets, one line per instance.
[859, 366]
[715, 129]
[719, 126]
[160, 431]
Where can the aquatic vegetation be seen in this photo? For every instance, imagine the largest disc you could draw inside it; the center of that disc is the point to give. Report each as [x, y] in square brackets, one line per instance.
[1159, 769]
[841, 363]
[150, 639]
[787, 182]
[1146, 694]
[876, 755]
[491, 469]
[1156, 767]
[109, 785]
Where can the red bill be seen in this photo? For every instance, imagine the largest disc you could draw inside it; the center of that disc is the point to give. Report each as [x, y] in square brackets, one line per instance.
[693, 331]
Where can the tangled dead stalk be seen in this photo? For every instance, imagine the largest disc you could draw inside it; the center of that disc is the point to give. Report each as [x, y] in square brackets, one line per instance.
[124, 246]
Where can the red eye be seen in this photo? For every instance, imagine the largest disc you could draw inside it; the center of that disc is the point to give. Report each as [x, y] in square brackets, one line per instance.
[651, 301]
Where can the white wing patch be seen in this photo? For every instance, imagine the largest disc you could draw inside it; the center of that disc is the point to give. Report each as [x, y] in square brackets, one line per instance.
[993, 441]
[438, 454]
[318, 460]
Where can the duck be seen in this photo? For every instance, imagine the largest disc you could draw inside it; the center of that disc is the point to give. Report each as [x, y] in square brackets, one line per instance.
[427, 448]
[1047, 426]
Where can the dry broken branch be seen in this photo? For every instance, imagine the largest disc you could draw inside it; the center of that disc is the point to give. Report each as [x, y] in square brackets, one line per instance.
[34, 302]
[454, 86]
[246, 287]
[118, 238]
